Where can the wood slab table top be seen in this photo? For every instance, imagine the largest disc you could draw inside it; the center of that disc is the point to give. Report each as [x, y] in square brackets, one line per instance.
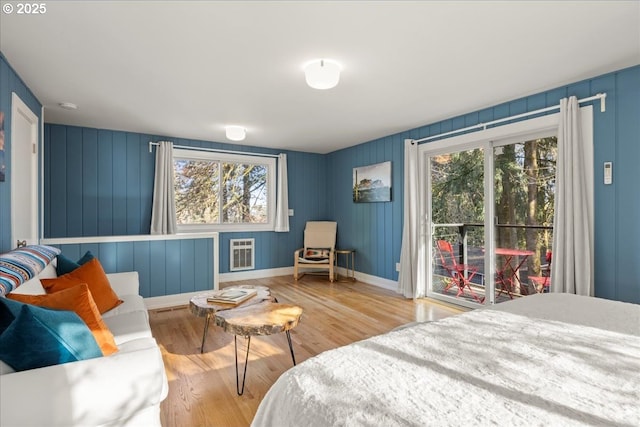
[201, 307]
[259, 319]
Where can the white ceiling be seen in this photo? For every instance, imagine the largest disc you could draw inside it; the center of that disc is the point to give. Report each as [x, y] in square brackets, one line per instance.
[188, 68]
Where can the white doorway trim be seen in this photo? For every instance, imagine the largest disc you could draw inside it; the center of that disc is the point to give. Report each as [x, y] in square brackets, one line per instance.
[24, 172]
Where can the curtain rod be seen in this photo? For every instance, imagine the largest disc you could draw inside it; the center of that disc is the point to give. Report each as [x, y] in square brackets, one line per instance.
[603, 107]
[216, 150]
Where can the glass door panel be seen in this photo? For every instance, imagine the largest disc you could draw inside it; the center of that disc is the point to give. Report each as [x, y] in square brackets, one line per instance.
[524, 188]
[457, 221]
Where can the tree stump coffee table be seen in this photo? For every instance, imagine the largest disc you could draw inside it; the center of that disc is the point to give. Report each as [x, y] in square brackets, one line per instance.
[203, 308]
[266, 318]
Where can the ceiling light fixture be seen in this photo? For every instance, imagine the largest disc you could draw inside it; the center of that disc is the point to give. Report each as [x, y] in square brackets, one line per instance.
[235, 133]
[322, 73]
[68, 105]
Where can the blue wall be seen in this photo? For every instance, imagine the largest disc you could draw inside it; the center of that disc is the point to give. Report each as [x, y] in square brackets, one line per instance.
[165, 267]
[10, 82]
[100, 183]
[375, 230]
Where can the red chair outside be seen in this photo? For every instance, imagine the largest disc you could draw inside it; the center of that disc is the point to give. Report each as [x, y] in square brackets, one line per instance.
[461, 274]
[543, 283]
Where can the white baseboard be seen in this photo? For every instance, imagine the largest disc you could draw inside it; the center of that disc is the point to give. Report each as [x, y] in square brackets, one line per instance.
[255, 274]
[380, 282]
[166, 301]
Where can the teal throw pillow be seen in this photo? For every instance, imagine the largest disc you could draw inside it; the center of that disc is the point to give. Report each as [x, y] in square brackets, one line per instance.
[65, 265]
[40, 337]
[6, 317]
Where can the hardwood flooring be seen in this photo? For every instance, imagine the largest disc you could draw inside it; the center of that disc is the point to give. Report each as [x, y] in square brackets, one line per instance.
[202, 387]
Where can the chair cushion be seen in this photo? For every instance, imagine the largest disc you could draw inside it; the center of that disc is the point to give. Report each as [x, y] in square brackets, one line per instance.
[94, 276]
[39, 337]
[79, 300]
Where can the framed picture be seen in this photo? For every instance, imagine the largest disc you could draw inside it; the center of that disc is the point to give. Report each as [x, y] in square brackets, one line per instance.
[2, 163]
[372, 183]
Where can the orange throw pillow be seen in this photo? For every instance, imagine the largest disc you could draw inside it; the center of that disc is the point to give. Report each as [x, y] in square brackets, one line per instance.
[77, 299]
[94, 276]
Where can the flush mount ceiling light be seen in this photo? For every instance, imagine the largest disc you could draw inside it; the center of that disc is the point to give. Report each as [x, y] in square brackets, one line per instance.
[322, 73]
[235, 133]
[68, 105]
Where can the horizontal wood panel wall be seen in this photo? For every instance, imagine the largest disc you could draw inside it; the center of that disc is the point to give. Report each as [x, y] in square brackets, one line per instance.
[375, 229]
[165, 267]
[100, 183]
[10, 82]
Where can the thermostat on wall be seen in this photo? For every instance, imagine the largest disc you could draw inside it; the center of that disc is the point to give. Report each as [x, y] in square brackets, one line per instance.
[608, 172]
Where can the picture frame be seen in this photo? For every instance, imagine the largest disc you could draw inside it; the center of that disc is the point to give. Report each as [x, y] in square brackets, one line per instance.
[372, 183]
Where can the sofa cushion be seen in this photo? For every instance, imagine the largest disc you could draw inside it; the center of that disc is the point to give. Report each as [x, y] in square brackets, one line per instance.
[65, 265]
[79, 300]
[129, 326]
[94, 276]
[20, 265]
[130, 304]
[40, 337]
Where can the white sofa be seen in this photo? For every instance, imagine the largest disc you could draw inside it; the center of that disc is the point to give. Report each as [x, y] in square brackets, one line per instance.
[122, 389]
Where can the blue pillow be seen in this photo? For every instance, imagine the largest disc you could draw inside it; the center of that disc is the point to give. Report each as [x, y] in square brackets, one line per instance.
[6, 317]
[40, 337]
[66, 265]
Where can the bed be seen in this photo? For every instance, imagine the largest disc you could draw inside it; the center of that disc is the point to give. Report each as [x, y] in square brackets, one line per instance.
[547, 359]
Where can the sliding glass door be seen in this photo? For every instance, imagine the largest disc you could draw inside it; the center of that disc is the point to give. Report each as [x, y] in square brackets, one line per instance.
[489, 210]
[524, 190]
[457, 225]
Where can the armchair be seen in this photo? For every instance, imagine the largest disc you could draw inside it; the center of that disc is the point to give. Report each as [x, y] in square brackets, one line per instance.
[319, 248]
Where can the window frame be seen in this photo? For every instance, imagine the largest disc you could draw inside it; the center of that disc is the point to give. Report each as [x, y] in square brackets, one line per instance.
[213, 156]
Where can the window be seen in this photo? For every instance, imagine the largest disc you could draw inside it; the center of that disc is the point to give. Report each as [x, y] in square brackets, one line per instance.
[219, 191]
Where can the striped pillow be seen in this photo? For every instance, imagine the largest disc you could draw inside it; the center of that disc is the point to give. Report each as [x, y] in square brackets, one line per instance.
[20, 265]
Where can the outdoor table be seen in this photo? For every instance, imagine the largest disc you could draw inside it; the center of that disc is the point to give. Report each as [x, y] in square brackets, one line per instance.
[508, 275]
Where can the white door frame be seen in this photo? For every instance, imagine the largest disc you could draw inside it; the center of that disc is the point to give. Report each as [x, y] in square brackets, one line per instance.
[20, 111]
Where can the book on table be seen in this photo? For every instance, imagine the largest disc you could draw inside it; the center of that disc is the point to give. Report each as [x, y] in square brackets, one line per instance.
[231, 296]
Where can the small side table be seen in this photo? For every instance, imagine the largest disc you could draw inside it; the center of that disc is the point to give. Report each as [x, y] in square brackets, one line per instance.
[258, 319]
[350, 264]
[203, 308]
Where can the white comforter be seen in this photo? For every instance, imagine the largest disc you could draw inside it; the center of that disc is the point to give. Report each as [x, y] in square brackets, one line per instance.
[480, 368]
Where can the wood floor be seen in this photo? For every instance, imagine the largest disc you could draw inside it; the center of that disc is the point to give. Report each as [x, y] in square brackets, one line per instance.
[202, 387]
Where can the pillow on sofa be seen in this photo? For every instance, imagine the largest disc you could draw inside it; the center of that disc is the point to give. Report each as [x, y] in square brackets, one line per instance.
[40, 337]
[79, 300]
[94, 276]
[23, 264]
[65, 265]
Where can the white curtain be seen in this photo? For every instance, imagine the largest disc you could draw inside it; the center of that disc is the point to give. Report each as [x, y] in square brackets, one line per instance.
[572, 262]
[282, 201]
[411, 281]
[163, 211]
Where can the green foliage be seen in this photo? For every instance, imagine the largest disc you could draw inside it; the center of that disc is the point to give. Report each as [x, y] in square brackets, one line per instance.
[524, 189]
[211, 192]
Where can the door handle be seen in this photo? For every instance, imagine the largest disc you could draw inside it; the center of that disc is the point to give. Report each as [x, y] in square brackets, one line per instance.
[21, 244]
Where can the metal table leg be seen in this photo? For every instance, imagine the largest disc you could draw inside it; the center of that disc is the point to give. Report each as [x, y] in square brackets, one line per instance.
[239, 390]
[293, 357]
[206, 328]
